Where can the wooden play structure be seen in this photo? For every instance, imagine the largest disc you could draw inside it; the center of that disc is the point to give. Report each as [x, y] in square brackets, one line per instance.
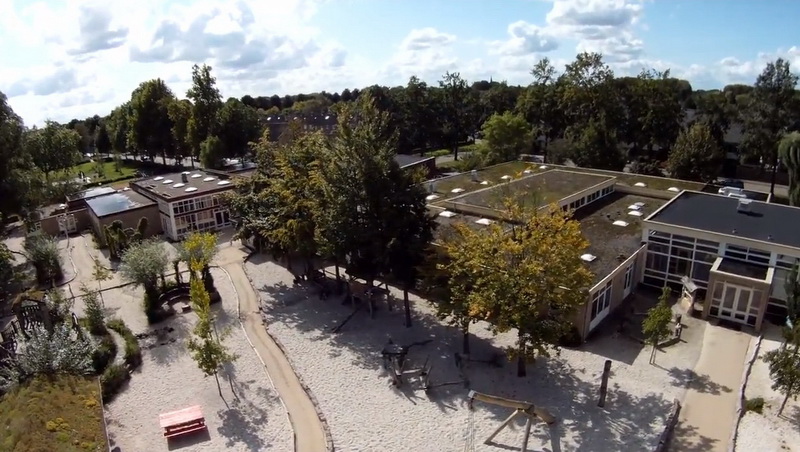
[182, 422]
[525, 409]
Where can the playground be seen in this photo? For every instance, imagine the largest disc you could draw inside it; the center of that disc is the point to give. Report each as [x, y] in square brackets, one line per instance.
[383, 386]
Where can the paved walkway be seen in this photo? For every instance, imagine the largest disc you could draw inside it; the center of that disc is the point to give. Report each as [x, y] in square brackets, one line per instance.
[308, 430]
[709, 408]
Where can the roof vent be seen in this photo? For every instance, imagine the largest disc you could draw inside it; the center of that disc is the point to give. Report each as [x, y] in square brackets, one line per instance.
[223, 182]
[196, 175]
[185, 177]
[179, 185]
[620, 223]
[484, 221]
[167, 181]
[744, 205]
[457, 190]
[158, 178]
[588, 257]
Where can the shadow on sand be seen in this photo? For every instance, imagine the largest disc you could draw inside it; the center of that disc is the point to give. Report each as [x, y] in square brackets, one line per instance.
[626, 423]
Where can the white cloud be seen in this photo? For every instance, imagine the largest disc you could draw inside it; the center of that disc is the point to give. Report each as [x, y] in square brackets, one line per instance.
[426, 53]
[525, 39]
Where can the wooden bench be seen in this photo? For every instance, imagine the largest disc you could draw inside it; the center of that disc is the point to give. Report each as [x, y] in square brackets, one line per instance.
[183, 421]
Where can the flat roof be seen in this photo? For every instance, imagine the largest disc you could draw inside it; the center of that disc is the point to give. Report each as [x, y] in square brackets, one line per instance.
[609, 243]
[90, 193]
[445, 224]
[171, 186]
[117, 202]
[772, 223]
[543, 188]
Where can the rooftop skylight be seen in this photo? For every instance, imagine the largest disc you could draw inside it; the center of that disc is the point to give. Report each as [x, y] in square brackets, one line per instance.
[447, 214]
[588, 257]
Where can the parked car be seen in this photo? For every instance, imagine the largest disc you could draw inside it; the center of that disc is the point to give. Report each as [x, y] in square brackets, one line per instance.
[735, 183]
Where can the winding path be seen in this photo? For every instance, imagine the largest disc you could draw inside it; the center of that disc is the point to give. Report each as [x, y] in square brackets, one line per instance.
[309, 433]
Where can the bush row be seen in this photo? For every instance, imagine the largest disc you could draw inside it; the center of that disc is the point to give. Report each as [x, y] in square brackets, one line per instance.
[133, 354]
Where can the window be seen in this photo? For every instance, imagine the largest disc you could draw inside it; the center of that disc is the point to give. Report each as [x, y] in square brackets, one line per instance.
[747, 254]
[657, 262]
[601, 300]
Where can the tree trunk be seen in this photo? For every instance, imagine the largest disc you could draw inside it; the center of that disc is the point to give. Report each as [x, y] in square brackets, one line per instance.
[370, 285]
[219, 388]
[407, 307]
[455, 151]
[785, 399]
[465, 340]
[191, 159]
[100, 290]
[521, 369]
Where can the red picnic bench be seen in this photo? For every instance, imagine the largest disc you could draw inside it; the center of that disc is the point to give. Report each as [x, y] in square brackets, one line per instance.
[183, 421]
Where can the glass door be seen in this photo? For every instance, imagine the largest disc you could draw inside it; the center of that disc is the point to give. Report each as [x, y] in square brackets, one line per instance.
[628, 280]
[736, 303]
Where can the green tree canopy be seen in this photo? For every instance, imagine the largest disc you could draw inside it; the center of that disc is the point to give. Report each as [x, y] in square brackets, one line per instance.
[696, 155]
[506, 136]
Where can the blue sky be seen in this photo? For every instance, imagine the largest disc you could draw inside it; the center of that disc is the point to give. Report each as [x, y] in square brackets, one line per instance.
[62, 59]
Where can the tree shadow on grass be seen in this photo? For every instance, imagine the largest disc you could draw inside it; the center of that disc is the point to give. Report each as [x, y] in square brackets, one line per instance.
[690, 379]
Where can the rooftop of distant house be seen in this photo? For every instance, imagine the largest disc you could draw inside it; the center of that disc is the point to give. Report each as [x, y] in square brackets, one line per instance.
[613, 227]
[117, 202]
[90, 193]
[183, 185]
[405, 160]
[748, 219]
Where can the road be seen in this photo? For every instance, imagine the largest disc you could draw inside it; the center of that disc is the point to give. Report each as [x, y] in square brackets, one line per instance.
[763, 187]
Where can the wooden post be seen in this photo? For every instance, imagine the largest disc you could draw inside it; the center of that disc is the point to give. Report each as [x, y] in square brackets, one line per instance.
[604, 383]
[526, 435]
[502, 426]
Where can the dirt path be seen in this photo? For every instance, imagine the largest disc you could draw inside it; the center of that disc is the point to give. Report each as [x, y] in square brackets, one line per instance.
[709, 408]
[308, 430]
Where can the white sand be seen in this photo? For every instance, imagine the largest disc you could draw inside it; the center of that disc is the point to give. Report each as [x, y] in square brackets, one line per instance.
[169, 379]
[365, 413]
[767, 431]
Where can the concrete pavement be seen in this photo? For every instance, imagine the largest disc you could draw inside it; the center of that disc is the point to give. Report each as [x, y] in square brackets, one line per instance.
[708, 415]
[309, 433]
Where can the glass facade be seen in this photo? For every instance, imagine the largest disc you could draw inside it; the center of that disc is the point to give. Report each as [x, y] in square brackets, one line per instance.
[671, 257]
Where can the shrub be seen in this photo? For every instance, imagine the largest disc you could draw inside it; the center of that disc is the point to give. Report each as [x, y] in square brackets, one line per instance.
[105, 354]
[438, 153]
[755, 405]
[48, 354]
[572, 338]
[133, 354]
[45, 257]
[94, 312]
[112, 380]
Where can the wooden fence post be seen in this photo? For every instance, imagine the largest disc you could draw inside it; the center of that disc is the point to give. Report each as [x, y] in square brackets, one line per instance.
[604, 383]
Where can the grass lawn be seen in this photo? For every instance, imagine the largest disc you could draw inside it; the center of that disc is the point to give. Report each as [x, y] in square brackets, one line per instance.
[63, 415]
[109, 172]
[492, 174]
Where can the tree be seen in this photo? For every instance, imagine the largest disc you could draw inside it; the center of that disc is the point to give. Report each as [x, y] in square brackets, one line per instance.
[596, 146]
[238, 125]
[655, 113]
[100, 274]
[784, 369]
[119, 123]
[45, 256]
[696, 155]
[94, 312]
[789, 151]
[142, 264]
[457, 110]
[506, 135]
[539, 104]
[199, 248]
[447, 283]
[180, 112]
[206, 102]
[769, 114]
[655, 326]
[49, 354]
[530, 278]
[53, 147]
[103, 141]
[16, 177]
[7, 272]
[150, 127]
[209, 353]
[212, 153]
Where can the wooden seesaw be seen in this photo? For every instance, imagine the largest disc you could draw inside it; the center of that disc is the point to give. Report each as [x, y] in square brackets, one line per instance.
[527, 409]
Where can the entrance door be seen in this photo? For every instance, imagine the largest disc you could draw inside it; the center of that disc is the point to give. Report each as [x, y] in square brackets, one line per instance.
[223, 218]
[629, 272]
[736, 303]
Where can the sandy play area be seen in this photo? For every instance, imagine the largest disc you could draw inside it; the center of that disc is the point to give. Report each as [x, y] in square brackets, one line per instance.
[768, 431]
[169, 380]
[345, 372]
